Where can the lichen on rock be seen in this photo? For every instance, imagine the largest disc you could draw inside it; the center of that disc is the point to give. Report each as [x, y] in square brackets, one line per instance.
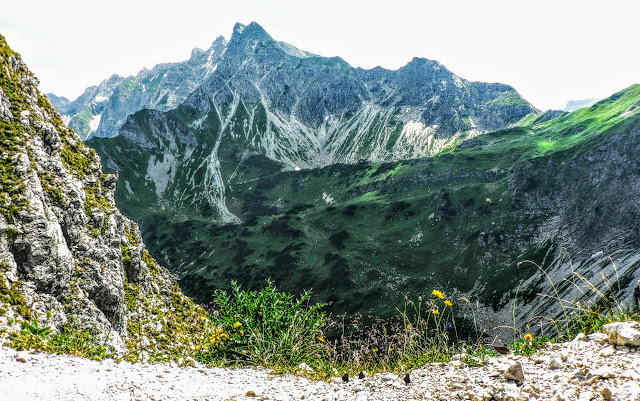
[69, 258]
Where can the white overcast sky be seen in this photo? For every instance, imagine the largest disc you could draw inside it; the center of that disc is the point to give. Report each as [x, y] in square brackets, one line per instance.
[551, 51]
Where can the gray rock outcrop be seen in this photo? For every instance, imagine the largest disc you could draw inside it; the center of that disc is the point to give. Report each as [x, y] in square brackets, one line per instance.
[68, 257]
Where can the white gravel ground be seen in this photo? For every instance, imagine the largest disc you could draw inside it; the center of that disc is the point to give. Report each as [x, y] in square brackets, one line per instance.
[584, 369]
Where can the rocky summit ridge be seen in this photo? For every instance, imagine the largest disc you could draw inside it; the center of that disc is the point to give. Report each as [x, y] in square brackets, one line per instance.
[308, 96]
[102, 109]
[68, 257]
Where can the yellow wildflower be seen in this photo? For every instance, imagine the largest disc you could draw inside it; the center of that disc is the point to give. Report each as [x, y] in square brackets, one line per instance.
[211, 340]
[528, 336]
[242, 332]
[197, 348]
[408, 326]
[236, 325]
[375, 350]
[435, 311]
[220, 331]
[321, 339]
[448, 303]
[438, 294]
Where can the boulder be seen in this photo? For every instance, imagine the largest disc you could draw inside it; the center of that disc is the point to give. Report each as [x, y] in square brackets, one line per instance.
[623, 333]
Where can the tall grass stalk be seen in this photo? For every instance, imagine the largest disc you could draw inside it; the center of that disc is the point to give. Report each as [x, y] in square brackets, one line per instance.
[585, 314]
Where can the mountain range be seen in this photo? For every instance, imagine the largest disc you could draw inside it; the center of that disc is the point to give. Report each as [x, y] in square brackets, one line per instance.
[304, 111]
[101, 110]
[369, 185]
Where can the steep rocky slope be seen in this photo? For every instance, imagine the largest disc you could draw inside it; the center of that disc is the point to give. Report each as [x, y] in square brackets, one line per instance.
[68, 257]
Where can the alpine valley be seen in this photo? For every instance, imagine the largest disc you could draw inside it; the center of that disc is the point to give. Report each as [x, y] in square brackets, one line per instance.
[256, 160]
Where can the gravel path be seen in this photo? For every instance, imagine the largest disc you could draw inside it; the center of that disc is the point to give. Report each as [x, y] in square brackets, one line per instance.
[584, 369]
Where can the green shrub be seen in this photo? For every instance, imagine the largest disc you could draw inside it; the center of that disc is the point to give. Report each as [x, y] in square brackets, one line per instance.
[11, 234]
[69, 341]
[529, 344]
[264, 327]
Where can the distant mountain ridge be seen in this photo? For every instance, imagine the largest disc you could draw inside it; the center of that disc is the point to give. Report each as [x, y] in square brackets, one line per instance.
[101, 110]
[573, 105]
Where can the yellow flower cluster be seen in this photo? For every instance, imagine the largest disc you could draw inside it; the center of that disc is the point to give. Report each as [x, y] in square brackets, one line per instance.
[214, 341]
[440, 294]
[236, 325]
[528, 337]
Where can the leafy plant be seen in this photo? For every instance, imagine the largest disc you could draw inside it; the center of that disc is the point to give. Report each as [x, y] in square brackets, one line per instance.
[477, 355]
[33, 329]
[68, 341]
[266, 327]
[529, 344]
[79, 343]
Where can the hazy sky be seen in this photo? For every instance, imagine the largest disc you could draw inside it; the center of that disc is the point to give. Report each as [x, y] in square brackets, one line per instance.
[551, 51]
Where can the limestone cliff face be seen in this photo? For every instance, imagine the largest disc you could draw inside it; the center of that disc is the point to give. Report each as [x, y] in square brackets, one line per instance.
[67, 254]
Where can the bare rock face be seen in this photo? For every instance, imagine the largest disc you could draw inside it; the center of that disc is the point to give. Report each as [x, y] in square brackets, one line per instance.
[68, 257]
[623, 333]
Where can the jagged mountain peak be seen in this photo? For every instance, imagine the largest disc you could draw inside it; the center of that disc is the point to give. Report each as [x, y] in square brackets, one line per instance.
[421, 62]
[245, 40]
[238, 27]
[102, 109]
[217, 46]
[251, 31]
[425, 67]
[219, 41]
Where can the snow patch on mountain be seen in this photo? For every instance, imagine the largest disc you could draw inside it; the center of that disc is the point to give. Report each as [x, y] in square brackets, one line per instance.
[161, 172]
[95, 122]
[327, 198]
